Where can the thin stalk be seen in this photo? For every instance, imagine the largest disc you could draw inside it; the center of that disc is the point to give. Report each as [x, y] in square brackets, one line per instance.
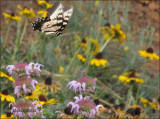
[130, 97]
[70, 63]
[106, 43]
[37, 96]
[2, 105]
[24, 30]
[8, 30]
[18, 41]
[110, 90]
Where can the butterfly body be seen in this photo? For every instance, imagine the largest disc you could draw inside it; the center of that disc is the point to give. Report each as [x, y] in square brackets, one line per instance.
[56, 20]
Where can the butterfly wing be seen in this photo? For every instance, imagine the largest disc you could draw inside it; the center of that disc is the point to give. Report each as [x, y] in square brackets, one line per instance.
[38, 23]
[66, 16]
[56, 20]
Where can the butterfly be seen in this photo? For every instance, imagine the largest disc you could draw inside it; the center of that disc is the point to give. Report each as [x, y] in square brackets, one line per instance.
[55, 21]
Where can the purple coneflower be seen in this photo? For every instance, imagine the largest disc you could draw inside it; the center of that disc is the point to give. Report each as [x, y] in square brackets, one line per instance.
[83, 84]
[84, 107]
[25, 85]
[22, 69]
[25, 108]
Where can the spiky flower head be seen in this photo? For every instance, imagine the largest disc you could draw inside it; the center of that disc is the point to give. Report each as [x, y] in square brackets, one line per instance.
[24, 86]
[83, 84]
[84, 107]
[24, 69]
[25, 108]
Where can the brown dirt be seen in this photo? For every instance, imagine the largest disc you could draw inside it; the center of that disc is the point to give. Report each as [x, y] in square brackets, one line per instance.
[143, 12]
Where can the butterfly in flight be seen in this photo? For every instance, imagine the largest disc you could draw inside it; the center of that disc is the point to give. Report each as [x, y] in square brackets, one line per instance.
[55, 21]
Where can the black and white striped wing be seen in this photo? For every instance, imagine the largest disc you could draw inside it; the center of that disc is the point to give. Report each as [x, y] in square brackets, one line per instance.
[56, 20]
[66, 16]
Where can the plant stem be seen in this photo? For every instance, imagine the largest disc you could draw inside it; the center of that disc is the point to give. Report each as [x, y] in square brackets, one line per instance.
[37, 97]
[110, 90]
[106, 43]
[70, 63]
[130, 96]
[18, 41]
[8, 30]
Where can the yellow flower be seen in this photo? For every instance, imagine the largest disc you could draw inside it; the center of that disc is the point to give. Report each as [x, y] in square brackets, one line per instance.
[5, 95]
[83, 41]
[49, 85]
[49, 102]
[114, 76]
[114, 31]
[6, 76]
[145, 101]
[10, 17]
[120, 114]
[26, 12]
[98, 60]
[7, 116]
[43, 12]
[32, 96]
[43, 101]
[81, 57]
[92, 45]
[39, 90]
[61, 69]
[118, 34]
[46, 4]
[135, 106]
[79, 117]
[129, 77]
[148, 54]
[89, 44]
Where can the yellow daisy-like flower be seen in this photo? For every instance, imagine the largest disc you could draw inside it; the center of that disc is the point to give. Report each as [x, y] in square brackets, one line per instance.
[26, 12]
[43, 12]
[83, 41]
[118, 34]
[145, 101]
[43, 101]
[6, 76]
[130, 77]
[39, 90]
[134, 111]
[81, 57]
[120, 114]
[149, 53]
[114, 31]
[48, 85]
[98, 60]
[11, 17]
[93, 45]
[89, 43]
[61, 69]
[5, 95]
[32, 96]
[8, 115]
[45, 3]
